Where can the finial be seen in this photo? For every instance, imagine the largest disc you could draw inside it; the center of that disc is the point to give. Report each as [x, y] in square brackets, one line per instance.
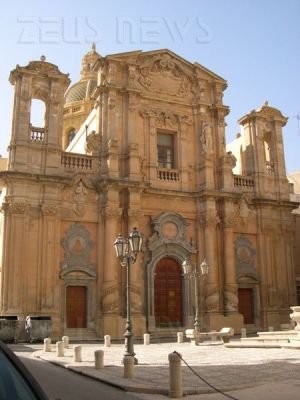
[43, 58]
[266, 103]
[94, 46]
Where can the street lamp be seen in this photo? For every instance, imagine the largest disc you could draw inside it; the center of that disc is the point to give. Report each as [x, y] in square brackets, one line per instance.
[193, 271]
[126, 251]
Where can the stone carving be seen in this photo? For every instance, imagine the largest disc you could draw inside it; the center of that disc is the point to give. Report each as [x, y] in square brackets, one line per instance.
[18, 208]
[245, 258]
[49, 210]
[212, 298]
[165, 74]
[109, 212]
[167, 119]
[80, 198]
[110, 299]
[209, 218]
[231, 298]
[77, 246]
[93, 143]
[206, 137]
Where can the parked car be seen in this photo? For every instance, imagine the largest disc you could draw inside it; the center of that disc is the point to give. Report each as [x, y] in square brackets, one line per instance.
[16, 382]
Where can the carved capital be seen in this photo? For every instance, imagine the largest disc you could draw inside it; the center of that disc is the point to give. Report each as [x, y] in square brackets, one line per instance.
[50, 210]
[111, 213]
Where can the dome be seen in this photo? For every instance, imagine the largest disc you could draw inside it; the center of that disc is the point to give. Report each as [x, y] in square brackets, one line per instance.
[80, 91]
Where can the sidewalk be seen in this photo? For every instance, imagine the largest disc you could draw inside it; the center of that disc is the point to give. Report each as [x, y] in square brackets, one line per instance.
[268, 374]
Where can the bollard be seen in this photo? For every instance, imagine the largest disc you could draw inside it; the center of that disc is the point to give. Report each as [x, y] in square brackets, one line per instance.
[270, 329]
[59, 349]
[106, 341]
[213, 336]
[179, 337]
[175, 379]
[47, 344]
[146, 338]
[65, 340]
[243, 333]
[99, 363]
[128, 362]
[77, 353]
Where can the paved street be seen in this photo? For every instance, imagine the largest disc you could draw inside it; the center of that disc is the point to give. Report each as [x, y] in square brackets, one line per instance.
[245, 373]
[60, 384]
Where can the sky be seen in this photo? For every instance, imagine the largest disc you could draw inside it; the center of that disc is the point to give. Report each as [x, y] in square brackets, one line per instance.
[254, 45]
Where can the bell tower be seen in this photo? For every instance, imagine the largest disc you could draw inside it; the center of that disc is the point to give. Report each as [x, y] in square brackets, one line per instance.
[262, 154]
[37, 149]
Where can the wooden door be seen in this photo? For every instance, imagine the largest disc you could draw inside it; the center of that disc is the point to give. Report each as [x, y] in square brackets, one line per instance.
[168, 293]
[76, 306]
[245, 296]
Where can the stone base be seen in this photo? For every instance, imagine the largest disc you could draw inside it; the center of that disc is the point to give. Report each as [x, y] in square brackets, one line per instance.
[215, 322]
[114, 325]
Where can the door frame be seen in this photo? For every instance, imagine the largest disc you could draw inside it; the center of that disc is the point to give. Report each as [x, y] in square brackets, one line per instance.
[251, 284]
[181, 291]
[86, 306]
[89, 283]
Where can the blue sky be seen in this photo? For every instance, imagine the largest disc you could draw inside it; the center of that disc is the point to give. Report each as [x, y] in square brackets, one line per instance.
[254, 45]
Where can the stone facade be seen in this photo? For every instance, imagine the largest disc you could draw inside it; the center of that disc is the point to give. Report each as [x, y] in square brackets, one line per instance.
[148, 151]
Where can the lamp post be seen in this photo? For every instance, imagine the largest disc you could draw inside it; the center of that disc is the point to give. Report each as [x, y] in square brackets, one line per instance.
[192, 271]
[126, 251]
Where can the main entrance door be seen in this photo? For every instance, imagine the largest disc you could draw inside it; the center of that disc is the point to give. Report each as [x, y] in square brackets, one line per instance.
[76, 305]
[245, 296]
[168, 293]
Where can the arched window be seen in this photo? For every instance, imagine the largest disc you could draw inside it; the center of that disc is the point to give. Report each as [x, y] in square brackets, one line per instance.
[37, 113]
[71, 135]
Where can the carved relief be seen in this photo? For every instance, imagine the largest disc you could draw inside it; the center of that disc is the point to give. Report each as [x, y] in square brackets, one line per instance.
[110, 299]
[49, 210]
[80, 198]
[245, 258]
[231, 298]
[77, 246]
[209, 218]
[164, 74]
[212, 298]
[109, 212]
[167, 119]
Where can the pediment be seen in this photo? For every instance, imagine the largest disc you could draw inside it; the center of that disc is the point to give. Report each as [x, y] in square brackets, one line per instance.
[165, 72]
[162, 71]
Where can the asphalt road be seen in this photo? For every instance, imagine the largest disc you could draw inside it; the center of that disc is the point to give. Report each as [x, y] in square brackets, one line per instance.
[61, 384]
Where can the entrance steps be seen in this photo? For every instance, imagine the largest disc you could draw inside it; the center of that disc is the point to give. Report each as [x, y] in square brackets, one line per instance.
[81, 334]
[275, 339]
[164, 335]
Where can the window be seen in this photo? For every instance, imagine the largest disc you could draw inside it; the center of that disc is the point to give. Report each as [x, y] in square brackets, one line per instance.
[165, 150]
[71, 135]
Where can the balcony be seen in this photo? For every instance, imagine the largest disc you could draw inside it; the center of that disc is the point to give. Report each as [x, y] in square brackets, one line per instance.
[168, 175]
[243, 182]
[37, 135]
[77, 161]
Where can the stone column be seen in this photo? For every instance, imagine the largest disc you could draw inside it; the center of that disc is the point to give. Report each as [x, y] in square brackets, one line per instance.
[230, 292]
[209, 221]
[111, 268]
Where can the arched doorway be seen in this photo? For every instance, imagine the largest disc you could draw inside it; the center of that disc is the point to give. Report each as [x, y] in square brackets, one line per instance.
[168, 293]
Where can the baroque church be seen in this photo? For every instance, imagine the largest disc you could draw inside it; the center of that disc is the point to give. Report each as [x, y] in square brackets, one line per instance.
[139, 142]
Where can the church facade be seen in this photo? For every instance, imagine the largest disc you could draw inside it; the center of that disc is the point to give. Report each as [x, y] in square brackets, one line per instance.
[139, 141]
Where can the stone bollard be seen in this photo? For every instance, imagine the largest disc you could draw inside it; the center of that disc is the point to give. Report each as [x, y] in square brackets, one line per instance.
[106, 341]
[99, 355]
[65, 340]
[128, 362]
[179, 337]
[243, 333]
[47, 344]
[175, 379]
[77, 353]
[270, 329]
[146, 338]
[59, 349]
[213, 336]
